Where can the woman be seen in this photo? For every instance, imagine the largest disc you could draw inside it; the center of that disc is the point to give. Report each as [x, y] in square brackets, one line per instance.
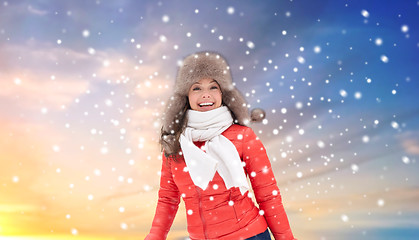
[208, 155]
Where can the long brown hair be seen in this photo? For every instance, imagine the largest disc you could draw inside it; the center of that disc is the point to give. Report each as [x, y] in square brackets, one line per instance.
[169, 139]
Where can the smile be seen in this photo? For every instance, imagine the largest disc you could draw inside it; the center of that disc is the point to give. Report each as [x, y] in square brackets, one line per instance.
[205, 104]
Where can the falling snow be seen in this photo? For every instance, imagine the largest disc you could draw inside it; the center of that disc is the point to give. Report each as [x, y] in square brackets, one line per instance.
[84, 87]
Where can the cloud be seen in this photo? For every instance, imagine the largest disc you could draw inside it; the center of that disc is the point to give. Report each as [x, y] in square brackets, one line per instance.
[372, 209]
[12, 12]
[34, 82]
[145, 79]
[411, 146]
[44, 180]
[33, 92]
[409, 141]
[37, 11]
[42, 187]
[49, 76]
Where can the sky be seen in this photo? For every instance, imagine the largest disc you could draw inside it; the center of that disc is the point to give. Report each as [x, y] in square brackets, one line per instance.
[83, 85]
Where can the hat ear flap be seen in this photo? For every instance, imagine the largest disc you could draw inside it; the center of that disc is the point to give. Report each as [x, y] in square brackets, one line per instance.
[237, 105]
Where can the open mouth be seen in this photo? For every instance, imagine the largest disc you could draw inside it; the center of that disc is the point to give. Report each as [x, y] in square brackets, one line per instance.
[206, 104]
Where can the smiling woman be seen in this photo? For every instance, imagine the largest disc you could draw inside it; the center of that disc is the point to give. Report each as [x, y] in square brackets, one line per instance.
[219, 153]
[205, 95]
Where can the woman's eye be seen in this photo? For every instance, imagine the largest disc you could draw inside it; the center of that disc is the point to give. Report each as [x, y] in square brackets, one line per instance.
[214, 87]
[196, 89]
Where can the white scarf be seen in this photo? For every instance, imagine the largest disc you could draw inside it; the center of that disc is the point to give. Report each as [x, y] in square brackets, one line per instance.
[221, 155]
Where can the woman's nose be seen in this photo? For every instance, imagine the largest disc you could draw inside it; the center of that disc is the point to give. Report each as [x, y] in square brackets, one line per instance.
[206, 94]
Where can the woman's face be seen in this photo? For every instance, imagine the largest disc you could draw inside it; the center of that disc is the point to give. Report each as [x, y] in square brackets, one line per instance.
[205, 95]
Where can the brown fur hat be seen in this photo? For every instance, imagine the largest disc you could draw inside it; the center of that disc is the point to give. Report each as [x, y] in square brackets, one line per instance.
[198, 66]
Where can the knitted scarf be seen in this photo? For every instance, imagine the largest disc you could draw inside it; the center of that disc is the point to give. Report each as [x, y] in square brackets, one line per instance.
[220, 153]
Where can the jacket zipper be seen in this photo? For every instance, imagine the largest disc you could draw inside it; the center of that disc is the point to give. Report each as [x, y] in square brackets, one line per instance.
[204, 225]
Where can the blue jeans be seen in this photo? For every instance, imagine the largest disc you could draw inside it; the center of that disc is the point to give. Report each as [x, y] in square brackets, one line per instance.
[261, 236]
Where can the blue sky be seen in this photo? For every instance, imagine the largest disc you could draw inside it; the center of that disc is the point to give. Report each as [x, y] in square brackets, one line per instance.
[84, 83]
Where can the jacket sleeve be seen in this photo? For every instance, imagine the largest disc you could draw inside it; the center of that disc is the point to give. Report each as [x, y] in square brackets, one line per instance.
[167, 204]
[264, 186]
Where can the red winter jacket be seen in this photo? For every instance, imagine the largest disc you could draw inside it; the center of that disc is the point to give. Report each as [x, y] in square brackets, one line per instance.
[217, 212]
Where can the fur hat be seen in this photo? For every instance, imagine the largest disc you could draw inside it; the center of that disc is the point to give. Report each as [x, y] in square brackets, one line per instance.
[194, 68]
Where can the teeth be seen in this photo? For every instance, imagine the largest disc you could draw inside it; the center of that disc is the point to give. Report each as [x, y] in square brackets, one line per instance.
[206, 104]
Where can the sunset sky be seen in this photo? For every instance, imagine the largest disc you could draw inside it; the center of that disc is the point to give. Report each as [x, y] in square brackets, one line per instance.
[83, 84]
